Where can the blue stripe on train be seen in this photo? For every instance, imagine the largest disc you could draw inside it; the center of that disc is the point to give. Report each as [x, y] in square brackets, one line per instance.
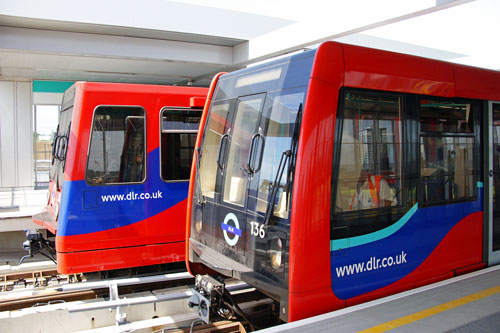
[392, 254]
[87, 209]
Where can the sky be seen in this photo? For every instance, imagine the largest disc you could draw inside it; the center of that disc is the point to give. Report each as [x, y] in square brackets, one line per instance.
[46, 120]
[470, 29]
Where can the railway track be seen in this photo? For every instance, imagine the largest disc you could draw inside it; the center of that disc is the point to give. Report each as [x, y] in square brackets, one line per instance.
[39, 278]
[47, 298]
[32, 275]
[43, 293]
[43, 274]
[158, 302]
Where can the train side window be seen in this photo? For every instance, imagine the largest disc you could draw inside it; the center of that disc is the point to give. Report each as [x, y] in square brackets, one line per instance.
[447, 143]
[370, 153]
[367, 179]
[179, 128]
[117, 146]
[445, 117]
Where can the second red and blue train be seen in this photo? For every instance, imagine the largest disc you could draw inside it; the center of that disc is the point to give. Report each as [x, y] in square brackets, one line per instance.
[119, 177]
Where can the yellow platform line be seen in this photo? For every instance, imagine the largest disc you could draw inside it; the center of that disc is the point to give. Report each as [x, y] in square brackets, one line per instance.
[432, 311]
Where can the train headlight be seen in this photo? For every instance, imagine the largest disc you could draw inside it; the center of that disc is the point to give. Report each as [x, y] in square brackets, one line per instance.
[198, 219]
[275, 253]
[276, 259]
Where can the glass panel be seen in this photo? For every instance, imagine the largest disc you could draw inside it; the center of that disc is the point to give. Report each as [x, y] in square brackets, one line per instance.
[235, 177]
[216, 127]
[117, 147]
[496, 177]
[45, 121]
[447, 117]
[180, 120]
[446, 168]
[370, 154]
[178, 137]
[59, 144]
[177, 155]
[279, 123]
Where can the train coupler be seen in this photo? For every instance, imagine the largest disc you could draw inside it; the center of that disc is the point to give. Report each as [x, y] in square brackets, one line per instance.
[207, 299]
[35, 243]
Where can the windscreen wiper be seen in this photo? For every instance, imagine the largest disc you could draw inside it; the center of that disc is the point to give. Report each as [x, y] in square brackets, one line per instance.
[200, 198]
[293, 159]
[67, 145]
[288, 157]
[54, 144]
[274, 189]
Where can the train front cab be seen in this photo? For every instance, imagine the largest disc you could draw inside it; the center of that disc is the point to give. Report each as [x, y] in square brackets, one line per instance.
[120, 174]
[279, 195]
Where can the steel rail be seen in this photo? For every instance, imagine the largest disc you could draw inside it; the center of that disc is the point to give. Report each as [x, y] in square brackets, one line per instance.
[111, 304]
[124, 282]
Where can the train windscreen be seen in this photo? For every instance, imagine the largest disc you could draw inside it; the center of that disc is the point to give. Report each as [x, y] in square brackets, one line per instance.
[245, 167]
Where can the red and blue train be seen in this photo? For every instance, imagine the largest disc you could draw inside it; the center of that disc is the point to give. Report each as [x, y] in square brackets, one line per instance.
[343, 174]
[119, 177]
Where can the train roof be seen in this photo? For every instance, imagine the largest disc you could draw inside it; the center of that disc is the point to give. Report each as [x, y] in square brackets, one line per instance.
[369, 68]
[134, 87]
[131, 88]
[385, 70]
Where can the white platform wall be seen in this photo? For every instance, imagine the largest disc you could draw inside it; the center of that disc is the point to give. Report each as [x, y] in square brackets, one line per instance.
[16, 135]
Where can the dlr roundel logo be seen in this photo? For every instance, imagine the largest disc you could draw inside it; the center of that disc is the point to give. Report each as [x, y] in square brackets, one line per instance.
[231, 229]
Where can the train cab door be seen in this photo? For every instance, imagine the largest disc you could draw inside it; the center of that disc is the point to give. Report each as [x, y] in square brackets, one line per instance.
[494, 184]
[233, 176]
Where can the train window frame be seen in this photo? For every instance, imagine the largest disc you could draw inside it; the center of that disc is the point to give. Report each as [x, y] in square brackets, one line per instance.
[145, 166]
[346, 224]
[473, 132]
[208, 169]
[175, 131]
[58, 165]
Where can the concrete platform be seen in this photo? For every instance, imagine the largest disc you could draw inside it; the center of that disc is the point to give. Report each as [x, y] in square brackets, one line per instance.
[17, 205]
[468, 303]
[11, 258]
[39, 264]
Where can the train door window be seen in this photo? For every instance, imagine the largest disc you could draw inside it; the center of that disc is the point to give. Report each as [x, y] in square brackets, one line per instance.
[117, 146]
[236, 177]
[215, 129]
[367, 174]
[179, 128]
[447, 142]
